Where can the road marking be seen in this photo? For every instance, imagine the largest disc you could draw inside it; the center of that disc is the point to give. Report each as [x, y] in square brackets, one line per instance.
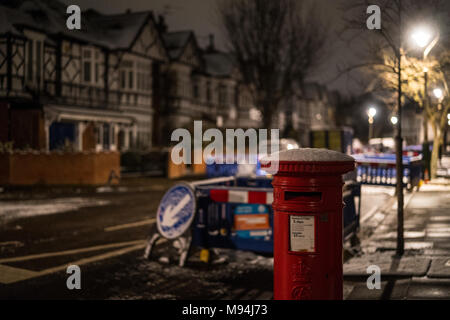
[130, 225]
[67, 252]
[96, 258]
[10, 274]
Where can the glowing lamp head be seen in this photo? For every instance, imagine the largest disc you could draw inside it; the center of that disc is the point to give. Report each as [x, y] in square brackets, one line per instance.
[421, 37]
[394, 120]
[438, 93]
[372, 112]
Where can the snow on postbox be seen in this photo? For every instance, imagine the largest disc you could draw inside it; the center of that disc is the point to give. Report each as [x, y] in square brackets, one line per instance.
[308, 222]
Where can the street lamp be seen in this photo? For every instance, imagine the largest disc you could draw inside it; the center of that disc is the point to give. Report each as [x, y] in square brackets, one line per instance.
[394, 120]
[371, 113]
[438, 93]
[423, 37]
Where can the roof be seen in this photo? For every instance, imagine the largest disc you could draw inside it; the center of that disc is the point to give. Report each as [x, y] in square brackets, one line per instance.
[311, 91]
[118, 31]
[219, 64]
[111, 31]
[175, 42]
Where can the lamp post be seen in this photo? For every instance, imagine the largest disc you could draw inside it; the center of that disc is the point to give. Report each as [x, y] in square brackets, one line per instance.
[371, 113]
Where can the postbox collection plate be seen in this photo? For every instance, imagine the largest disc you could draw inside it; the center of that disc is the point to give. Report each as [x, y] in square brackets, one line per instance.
[302, 233]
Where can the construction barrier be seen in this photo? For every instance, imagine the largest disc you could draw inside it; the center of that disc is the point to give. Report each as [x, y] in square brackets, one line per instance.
[230, 212]
[381, 170]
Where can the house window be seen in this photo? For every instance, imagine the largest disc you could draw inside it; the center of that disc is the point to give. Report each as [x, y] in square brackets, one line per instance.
[195, 91]
[30, 61]
[97, 72]
[91, 66]
[87, 66]
[34, 61]
[106, 137]
[208, 92]
[97, 67]
[123, 80]
[223, 95]
[130, 79]
[143, 74]
[98, 134]
[127, 75]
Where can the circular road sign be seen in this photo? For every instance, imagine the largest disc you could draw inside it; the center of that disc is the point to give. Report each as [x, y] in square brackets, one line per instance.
[176, 211]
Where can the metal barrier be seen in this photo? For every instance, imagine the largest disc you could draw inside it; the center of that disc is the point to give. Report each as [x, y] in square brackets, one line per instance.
[380, 170]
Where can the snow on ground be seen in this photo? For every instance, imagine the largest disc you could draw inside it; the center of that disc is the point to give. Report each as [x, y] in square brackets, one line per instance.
[369, 189]
[29, 208]
[435, 187]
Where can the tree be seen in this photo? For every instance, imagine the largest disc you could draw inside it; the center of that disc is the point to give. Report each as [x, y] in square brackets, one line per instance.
[387, 51]
[390, 56]
[275, 43]
[435, 110]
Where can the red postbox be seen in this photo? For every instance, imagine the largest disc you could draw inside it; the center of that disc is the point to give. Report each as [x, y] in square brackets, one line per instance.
[308, 223]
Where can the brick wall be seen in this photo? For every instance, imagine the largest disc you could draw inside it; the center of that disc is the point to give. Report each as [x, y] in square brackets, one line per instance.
[57, 168]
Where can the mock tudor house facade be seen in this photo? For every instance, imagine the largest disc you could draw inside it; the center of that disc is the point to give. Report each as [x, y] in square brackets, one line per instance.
[203, 84]
[122, 82]
[90, 89]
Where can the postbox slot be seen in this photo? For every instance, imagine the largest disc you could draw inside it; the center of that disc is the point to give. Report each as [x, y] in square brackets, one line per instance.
[300, 196]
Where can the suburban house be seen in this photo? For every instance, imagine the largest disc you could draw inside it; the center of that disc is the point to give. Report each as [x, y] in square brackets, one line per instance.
[89, 89]
[311, 107]
[203, 84]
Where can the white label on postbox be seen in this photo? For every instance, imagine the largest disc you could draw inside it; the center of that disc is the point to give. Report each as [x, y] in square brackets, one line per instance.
[302, 233]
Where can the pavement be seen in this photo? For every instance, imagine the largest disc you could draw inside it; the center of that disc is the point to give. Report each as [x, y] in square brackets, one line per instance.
[423, 272]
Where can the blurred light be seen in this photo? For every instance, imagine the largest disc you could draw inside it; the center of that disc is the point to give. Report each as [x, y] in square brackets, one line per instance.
[421, 36]
[372, 112]
[394, 120]
[448, 116]
[438, 93]
[290, 146]
[425, 69]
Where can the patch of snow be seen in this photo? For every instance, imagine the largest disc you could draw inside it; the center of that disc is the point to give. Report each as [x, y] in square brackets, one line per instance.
[23, 209]
[308, 155]
[434, 187]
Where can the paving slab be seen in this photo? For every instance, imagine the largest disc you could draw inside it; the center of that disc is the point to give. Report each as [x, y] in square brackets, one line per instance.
[389, 265]
[390, 289]
[440, 268]
[425, 288]
[437, 252]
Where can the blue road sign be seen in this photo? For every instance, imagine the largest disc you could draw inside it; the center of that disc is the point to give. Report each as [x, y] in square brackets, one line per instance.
[176, 211]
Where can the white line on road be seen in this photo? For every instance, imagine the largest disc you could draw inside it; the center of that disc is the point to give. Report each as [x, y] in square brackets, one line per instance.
[73, 251]
[130, 225]
[11, 274]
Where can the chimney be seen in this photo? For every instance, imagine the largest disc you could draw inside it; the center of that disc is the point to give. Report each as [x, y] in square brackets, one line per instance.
[211, 42]
[161, 25]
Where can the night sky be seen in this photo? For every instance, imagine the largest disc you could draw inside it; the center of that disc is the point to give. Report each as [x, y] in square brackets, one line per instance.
[200, 16]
